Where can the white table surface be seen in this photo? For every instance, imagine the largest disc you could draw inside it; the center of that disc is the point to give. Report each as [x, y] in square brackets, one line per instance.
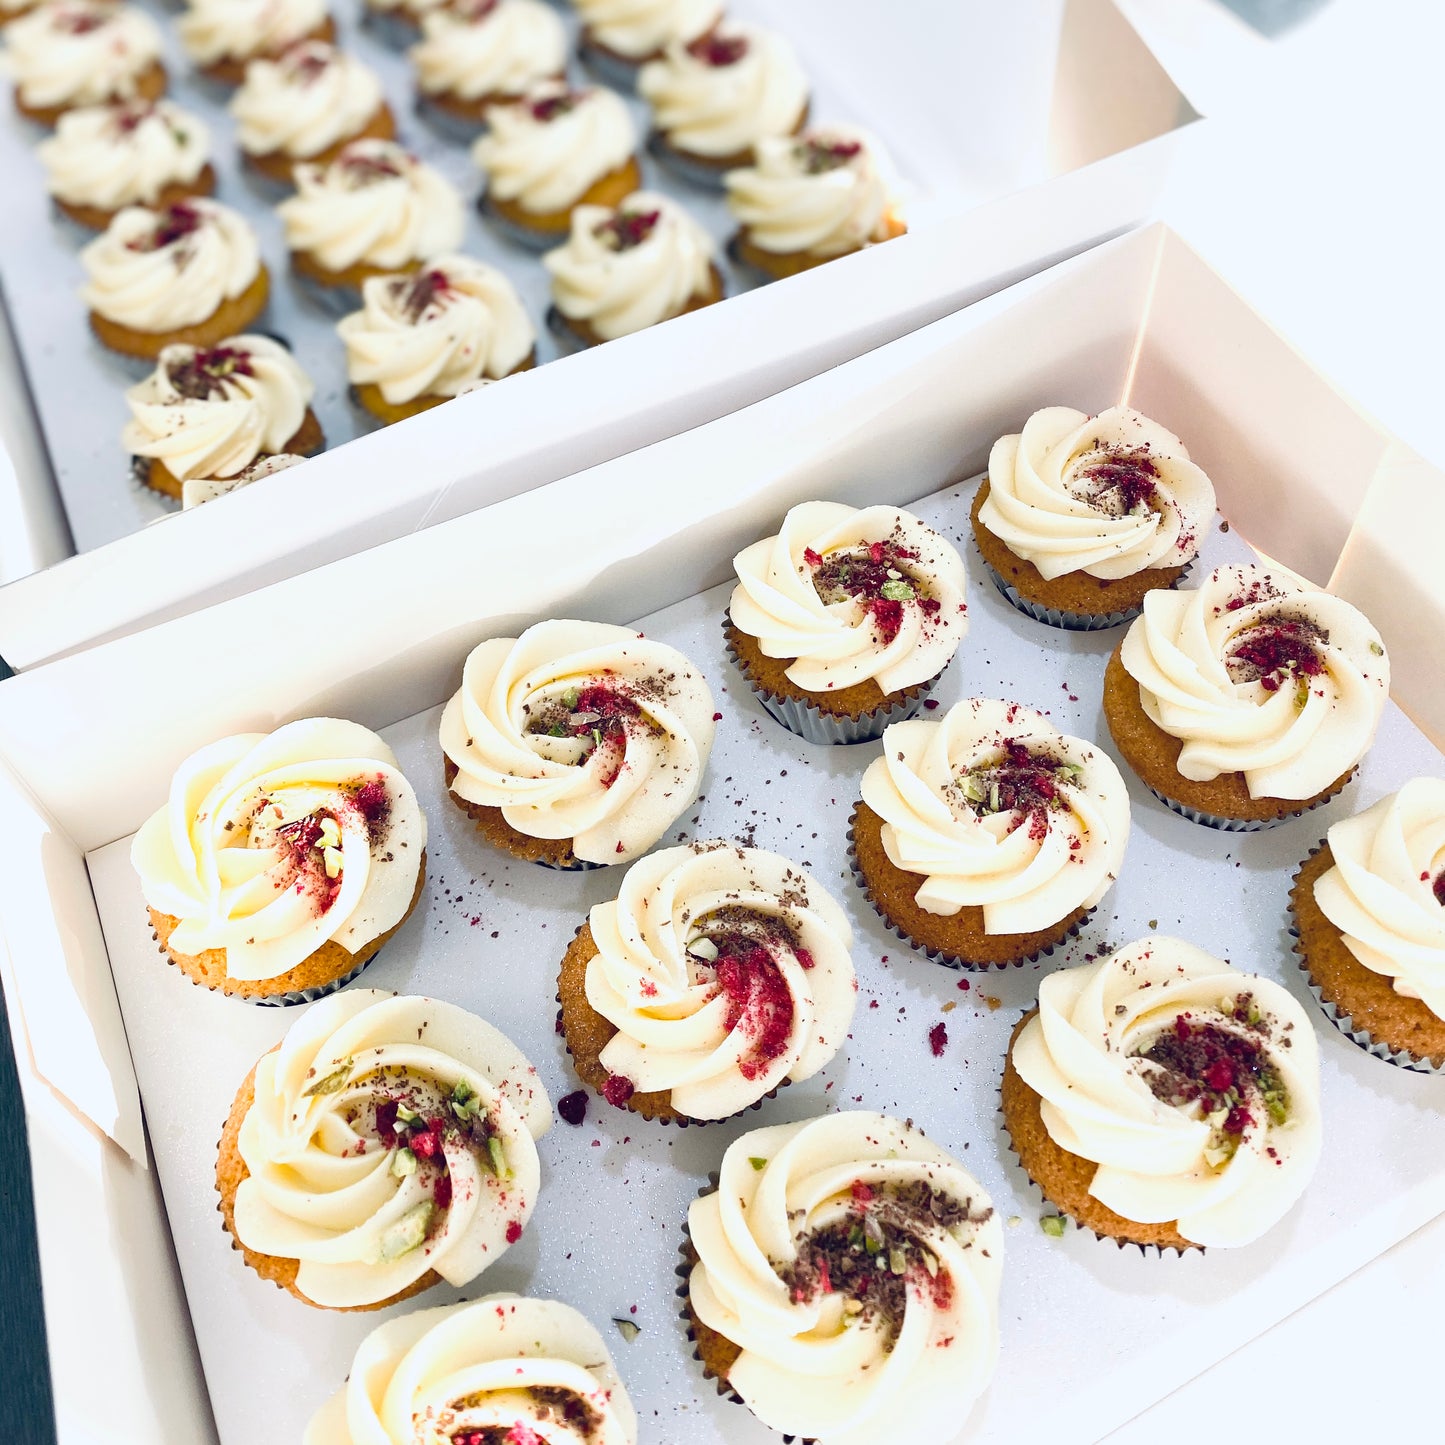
[1315, 190]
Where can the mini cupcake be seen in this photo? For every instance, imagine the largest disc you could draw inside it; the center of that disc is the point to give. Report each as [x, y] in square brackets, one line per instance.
[552, 151]
[1161, 1097]
[1079, 517]
[714, 98]
[717, 974]
[387, 1144]
[987, 837]
[842, 623]
[306, 105]
[283, 861]
[476, 53]
[212, 412]
[1247, 700]
[496, 1370]
[196, 491]
[189, 274]
[810, 199]
[423, 339]
[842, 1281]
[1369, 912]
[222, 37]
[626, 269]
[577, 744]
[73, 53]
[619, 36]
[375, 210]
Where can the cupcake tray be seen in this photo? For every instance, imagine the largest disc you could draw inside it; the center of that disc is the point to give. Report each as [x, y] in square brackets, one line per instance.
[1091, 1334]
[73, 378]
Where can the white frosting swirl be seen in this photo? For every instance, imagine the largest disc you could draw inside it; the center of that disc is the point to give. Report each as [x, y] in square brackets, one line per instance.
[822, 193]
[999, 810]
[546, 149]
[442, 1374]
[1385, 893]
[813, 593]
[406, 7]
[196, 491]
[437, 332]
[1219, 1132]
[725, 971]
[626, 269]
[1111, 495]
[721, 94]
[212, 413]
[308, 99]
[272, 844]
[367, 1197]
[635, 719]
[639, 29]
[126, 154]
[214, 30]
[489, 47]
[162, 270]
[80, 52]
[1201, 658]
[772, 1253]
[375, 204]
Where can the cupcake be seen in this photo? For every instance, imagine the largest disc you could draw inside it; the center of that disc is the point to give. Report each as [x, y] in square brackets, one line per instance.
[717, 974]
[73, 53]
[306, 105]
[423, 339]
[387, 1144]
[1080, 517]
[475, 53]
[714, 98]
[577, 744]
[1247, 700]
[842, 623]
[195, 491]
[103, 158]
[14, 9]
[212, 412]
[552, 151]
[628, 268]
[283, 861]
[619, 36]
[987, 837]
[188, 274]
[499, 1369]
[810, 199]
[1161, 1097]
[398, 21]
[842, 1281]
[222, 36]
[374, 210]
[1369, 912]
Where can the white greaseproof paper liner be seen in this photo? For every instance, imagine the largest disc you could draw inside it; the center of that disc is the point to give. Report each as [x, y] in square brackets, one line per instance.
[1071, 621]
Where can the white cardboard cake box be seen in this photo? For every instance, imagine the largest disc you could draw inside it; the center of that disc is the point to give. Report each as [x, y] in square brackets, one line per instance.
[1026, 133]
[88, 743]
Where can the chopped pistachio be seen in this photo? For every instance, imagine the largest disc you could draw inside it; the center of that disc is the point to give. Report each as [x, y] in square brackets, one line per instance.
[973, 789]
[899, 591]
[332, 858]
[403, 1162]
[993, 797]
[405, 1115]
[1014, 1220]
[756, 1162]
[628, 1329]
[330, 835]
[498, 1157]
[897, 1261]
[597, 737]
[334, 1082]
[1053, 1225]
[1376, 648]
[852, 1306]
[407, 1233]
[930, 1264]
[569, 698]
[703, 948]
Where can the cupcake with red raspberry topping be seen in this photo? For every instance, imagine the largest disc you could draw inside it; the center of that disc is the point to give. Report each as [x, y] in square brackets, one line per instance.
[842, 622]
[717, 974]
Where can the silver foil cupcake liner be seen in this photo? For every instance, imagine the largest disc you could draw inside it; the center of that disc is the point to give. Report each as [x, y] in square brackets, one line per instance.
[310, 995]
[517, 233]
[694, 172]
[1054, 617]
[334, 300]
[816, 726]
[391, 27]
[562, 333]
[577, 865]
[936, 955]
[735, 255]
[445, 123]
[608, 68]
[1236, 825]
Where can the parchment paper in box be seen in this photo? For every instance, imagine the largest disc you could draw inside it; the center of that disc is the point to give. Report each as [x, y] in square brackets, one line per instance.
[1075, 1311]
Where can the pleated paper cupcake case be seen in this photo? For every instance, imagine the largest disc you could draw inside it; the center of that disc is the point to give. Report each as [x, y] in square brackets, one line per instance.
[684, 1274]
[949, 960]
[1361, 1038]
[1068, 621]
[816, 726]
[1245, 825]
[515, 232]
[280, 1000]
[1149, 1251]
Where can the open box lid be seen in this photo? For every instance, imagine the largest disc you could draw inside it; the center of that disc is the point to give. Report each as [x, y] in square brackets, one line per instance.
[1007, 177]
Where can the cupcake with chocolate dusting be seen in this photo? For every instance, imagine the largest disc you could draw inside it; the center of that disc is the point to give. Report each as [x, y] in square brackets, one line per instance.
[717, 974]
[842, 1281]
[1247, 700]
[842, 622]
